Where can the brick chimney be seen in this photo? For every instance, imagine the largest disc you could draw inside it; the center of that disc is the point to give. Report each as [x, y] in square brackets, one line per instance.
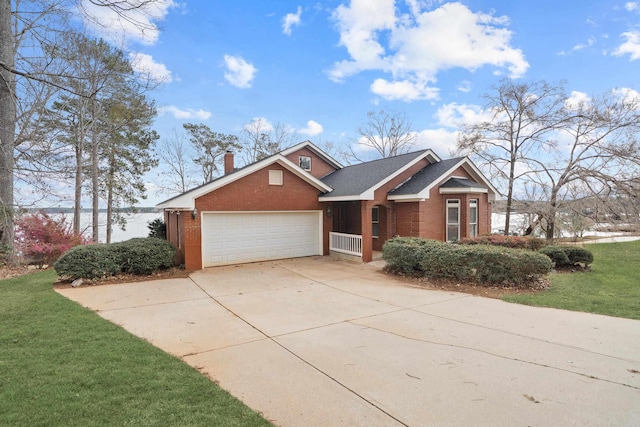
[228, 162]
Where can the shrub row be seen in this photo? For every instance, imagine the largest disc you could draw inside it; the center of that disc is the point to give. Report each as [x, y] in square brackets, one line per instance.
[568, 256]
[482, 264]
[138, 256]
[515, 242]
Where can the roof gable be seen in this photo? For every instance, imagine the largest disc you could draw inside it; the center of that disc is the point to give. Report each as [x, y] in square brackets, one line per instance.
[311, 146]
[359, 182]
[186, 201]
[420, 185]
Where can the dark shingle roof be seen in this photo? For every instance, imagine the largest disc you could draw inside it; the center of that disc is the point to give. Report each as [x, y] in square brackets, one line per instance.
[356, 179]
[461, 183]
[424, 178]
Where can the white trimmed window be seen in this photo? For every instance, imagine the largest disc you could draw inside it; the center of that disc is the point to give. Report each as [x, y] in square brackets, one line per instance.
[304, 162]
[375, 221]
[453, 220]
[275, 177]
[473, 217]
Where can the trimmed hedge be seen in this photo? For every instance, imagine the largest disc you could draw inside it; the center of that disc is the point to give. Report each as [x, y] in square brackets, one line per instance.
[139, 256]
[143, 256]
[568, 256]
[515, 242]
[481, 264]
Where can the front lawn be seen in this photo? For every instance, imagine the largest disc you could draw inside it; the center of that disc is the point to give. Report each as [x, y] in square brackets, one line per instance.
[612, 287]
[61, 364]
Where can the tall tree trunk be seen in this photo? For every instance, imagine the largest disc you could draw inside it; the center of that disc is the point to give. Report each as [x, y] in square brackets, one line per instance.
[109, 213]
[77, 197]
[512, 174]
[95, 173]
[7, 123]
[551, 216]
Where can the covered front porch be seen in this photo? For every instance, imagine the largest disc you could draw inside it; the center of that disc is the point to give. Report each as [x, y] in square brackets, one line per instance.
[360, 228]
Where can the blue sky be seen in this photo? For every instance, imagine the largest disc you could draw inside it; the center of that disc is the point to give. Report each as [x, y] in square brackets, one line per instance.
[319, 67]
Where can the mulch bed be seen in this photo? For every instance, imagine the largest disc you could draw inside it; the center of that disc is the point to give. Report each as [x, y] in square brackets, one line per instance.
[175, 272]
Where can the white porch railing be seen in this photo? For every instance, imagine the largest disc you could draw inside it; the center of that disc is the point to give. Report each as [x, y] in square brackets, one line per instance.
[350, 244]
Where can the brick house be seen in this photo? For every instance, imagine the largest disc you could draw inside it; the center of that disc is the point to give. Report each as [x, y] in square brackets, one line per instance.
[301, 202]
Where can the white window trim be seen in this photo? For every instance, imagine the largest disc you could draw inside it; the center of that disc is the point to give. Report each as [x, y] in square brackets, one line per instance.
[473, 203]
[300, 163]
[275, 177]
[456, 203]
[377, 221]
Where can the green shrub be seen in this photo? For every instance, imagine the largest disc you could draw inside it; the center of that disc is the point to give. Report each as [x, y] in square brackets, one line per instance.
[568, 256]
[157, 228]
[143, 256]
[578, 255]
[482, 264]
[403, 254]
[556, 254]
[515, 242]
[135, 256]
[88, 262]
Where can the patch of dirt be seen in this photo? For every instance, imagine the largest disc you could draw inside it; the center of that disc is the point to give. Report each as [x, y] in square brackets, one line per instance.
[171, 273]
[496, 292]
[7, 272]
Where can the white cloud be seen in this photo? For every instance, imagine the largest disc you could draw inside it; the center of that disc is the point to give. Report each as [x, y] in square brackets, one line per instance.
[576, 99]
[313, 128]
[145, 65]
[464, 86]
[138, 23]
[289, 20]
[441, 141]
[631, 46]
[630, 97]
[415, 47]
[404, 90]
[590, 42]
[259, 123]
[631, 6]
[239, 73]
[454, 115]
[187, 114]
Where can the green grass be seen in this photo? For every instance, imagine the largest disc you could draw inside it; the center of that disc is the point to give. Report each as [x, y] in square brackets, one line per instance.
[61, 364]
[612, 287]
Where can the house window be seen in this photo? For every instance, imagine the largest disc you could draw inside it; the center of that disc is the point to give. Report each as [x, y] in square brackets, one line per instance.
[275, 177]
[304, 162]
[473, 217]
[453, 220]
[375, 221]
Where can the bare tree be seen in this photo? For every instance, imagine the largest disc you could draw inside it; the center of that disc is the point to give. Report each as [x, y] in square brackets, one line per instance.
[386, 133]
[598, 151]
[522, 117]
[176, 157]
[261, 139]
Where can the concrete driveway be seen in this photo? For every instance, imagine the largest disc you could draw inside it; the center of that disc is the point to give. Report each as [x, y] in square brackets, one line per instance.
[318, 342]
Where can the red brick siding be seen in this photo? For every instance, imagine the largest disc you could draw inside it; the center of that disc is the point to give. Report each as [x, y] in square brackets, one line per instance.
[319, 167]
[388, 229]
[427, 219]
[252, 193]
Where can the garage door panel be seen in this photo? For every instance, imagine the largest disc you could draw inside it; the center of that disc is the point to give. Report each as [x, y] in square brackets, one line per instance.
[230, 238]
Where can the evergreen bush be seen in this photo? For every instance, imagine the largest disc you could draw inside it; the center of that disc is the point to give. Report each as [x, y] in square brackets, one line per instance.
[140, 256]
[143, 256]
[482, 264]
[93, 261]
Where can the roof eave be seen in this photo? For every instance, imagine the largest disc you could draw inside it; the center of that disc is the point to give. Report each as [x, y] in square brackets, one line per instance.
[186, 201]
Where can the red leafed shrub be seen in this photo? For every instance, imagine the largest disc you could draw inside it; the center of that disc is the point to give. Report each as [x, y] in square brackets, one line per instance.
[41, 239]
[515, 242]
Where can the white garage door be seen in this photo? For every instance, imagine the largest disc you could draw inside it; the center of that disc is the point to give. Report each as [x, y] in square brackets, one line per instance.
[230, 238]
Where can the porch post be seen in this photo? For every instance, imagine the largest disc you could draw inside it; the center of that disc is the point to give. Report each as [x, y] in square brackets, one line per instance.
[365, 226]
